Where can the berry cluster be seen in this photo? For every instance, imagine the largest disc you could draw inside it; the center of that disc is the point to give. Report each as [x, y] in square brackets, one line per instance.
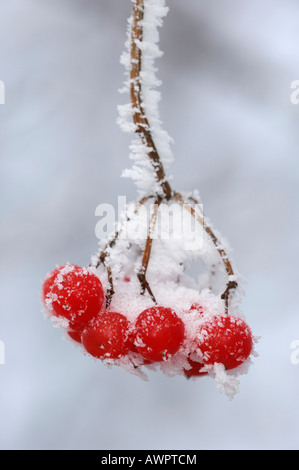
[76, 295]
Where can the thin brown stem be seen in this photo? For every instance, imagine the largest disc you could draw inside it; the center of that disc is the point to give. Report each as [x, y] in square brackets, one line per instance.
[144, 130]
[139, 117]
[102, 259]
[105, 253]
[147, 253]
[223, 255]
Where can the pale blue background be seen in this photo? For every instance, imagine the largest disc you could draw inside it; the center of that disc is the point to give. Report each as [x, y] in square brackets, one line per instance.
[227, 71]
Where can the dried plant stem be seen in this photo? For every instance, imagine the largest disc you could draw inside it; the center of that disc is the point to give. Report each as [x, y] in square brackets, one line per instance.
[147, 253]
[102, 259]
[104, 254]
[144, 130]
[223, 255]
[139, 117]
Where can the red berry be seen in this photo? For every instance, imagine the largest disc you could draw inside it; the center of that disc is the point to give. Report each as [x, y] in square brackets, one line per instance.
[48, 282]
[195, 370]
[75, 331]
[144, 361]
[159, 333]
[74, 293]
[197, 307]
[108, 336]
[225, 340]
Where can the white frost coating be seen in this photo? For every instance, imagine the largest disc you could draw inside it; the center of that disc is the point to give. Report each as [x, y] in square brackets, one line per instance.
[142, 172]
[172, 286]
[226, 382]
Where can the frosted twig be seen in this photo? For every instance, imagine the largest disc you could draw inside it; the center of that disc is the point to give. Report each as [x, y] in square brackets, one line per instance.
[140, 120]
[143, 128]
[105, 253]
[147, 253]
[227, 264]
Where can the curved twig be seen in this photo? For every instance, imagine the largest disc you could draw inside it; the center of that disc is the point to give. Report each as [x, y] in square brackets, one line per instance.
[104, 253]
[223, 255]
[147, 253]
[144, 130]
[139, 117]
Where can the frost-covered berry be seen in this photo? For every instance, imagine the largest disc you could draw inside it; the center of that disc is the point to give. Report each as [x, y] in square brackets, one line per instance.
[141, 360]
[48, 283]
[74, 293]
[159, 333]
[225, 340]
[195, 370]
[75, 330]
[108, 336]
[198, 308]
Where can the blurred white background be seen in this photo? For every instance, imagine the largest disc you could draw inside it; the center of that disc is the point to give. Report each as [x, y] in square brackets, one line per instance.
[226, 74]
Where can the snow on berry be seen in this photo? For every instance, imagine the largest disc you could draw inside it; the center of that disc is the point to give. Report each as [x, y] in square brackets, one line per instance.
[197, 369]
[75, 330]
[159, 333]
[167, 319]
[224, 340]
[108, 336]
[73, 293]
[48, 283]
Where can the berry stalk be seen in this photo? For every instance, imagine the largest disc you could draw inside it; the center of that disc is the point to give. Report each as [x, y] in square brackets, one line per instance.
[139, 117]
[231, 284]
[143, 129]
